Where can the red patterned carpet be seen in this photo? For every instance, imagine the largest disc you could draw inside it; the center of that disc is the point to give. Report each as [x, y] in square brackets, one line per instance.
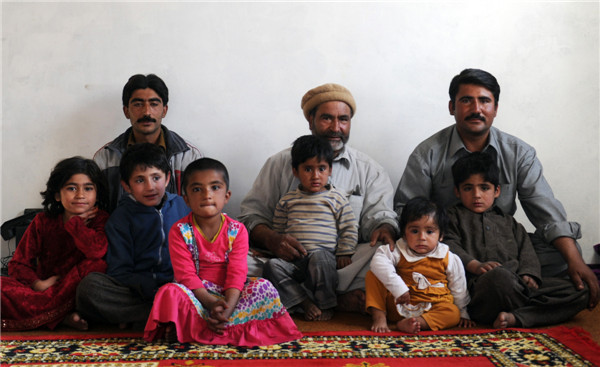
[559, 346]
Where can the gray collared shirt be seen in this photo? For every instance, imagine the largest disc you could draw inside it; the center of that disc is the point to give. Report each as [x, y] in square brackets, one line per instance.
[359, 178]
[428, 173]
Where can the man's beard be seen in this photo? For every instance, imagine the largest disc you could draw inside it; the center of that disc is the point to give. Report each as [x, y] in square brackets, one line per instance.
[335, 145]
[339, 144]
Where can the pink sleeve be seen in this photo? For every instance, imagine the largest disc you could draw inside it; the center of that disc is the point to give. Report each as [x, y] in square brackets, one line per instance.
[237, 269]
[184, 268]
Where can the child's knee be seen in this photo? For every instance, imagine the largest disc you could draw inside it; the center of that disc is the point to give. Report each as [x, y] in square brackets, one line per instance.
[442, 316]
[322, 258]
[500, 280]
[88, 266]
[273, 269]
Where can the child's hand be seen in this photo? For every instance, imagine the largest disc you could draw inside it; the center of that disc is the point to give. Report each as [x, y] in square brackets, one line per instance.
[466, 323]
[488, 265]
[531, 283]
[478, 268]
[215, 325]
[403, 299]
[217, 310]
[218, 315]
[41, 285]
[343, 261]
[89, 215]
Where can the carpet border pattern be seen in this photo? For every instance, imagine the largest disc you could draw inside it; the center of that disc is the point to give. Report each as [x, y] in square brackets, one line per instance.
[501, 347]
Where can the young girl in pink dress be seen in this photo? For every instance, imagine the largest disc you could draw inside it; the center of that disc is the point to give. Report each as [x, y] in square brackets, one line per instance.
[62, 245]
[212, 301]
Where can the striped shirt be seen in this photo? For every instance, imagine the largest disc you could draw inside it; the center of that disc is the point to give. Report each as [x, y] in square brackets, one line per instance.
[322, 220]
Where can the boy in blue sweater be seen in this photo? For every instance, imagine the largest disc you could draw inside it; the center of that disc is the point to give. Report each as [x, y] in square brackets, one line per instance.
[138, 253]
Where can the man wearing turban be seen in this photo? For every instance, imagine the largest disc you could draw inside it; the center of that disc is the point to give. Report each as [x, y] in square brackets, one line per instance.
[329, 109]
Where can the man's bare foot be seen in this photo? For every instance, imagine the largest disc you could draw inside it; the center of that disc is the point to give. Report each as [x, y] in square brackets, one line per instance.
[379, 321]
[353, 301]
[311, 311]
[75, 321]
[504, 320]
[410, 325]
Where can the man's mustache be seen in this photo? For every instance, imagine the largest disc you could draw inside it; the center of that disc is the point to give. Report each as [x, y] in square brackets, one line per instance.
[335, 135]
[146, 119]
[476, 116]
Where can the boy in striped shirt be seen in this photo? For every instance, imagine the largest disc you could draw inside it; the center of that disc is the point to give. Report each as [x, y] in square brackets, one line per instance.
[321, 219]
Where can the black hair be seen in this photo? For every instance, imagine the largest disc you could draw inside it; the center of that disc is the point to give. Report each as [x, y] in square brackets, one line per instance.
[140, 81]
[60, 175]
[477, 77]
[420, 207]
[309, 146]
[142, 156]
[204, 164]
[473, 164]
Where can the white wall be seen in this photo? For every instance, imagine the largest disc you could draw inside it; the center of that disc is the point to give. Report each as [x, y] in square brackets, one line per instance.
[237, 71]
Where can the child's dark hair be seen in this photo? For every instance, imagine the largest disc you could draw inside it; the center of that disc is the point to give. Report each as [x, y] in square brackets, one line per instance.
[473, 164]
[143, 155]
[309, 146]
[60, 175]
[420, 207]
[204, 164]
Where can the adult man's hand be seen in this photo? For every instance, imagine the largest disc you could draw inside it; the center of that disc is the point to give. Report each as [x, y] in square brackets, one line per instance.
[285, 247]
[579, 273]
[282, 246]
[578, 270]
[385, 234]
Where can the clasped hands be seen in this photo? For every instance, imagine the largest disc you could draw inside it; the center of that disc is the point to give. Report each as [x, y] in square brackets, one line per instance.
[219, 313]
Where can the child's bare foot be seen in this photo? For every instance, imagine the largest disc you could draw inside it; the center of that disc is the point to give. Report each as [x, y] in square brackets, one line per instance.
[504, 320]
[311, 311]
[410, 325]
[379, 321]
[353, 301]
[75, 321]
[326, 315]
[170, 333]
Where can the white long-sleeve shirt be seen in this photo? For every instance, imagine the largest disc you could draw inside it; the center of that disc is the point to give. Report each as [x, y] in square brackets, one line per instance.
[384, 262]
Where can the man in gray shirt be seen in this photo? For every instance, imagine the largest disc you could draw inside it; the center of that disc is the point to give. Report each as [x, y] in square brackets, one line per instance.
[328, 109]
[473, 102]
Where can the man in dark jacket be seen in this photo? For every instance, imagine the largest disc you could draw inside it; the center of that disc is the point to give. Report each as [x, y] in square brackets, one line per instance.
[145, 99]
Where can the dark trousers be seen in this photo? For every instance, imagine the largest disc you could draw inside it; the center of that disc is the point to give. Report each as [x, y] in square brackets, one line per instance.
[314, 276]
[501, 290]
[102, 299]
